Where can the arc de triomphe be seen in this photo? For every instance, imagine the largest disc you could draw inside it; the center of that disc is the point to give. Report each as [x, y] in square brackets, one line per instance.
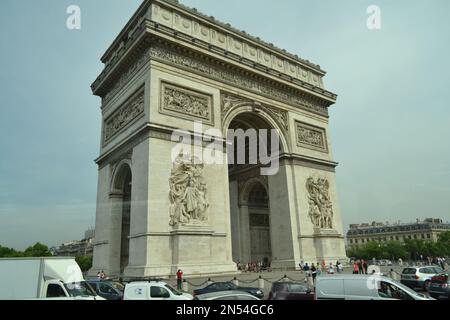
[171, 66]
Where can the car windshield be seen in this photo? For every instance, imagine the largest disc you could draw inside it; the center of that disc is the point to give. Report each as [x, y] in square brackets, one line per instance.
[173, 290]
[118, 286]
[407, 289]
[297, 288]
[409, 271]
[79, 289]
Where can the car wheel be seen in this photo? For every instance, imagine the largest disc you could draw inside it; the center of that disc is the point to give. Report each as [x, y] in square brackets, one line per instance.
[426, 285]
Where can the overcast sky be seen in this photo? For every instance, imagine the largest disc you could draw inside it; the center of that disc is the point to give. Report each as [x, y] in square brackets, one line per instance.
[390, 128]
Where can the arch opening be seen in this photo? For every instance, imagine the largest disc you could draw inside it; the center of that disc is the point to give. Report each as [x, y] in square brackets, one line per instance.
[249, 192]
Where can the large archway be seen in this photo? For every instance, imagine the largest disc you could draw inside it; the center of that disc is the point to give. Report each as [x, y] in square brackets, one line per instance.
[122, 188]
[249, 191]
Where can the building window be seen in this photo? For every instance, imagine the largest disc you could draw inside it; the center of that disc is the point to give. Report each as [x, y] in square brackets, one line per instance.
[423, 236]
[362, 240]
[409, 237]
[428, 236]
[356, 240]
[415, 236]
[397, 238]
[392, 237]
[351, 241]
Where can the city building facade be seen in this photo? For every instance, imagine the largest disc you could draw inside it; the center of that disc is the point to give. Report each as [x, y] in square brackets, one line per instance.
[427, 229]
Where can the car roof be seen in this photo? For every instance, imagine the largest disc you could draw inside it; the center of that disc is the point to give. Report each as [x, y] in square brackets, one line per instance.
[223, 293]
[349, 276]
[141, 283]
[418, 267]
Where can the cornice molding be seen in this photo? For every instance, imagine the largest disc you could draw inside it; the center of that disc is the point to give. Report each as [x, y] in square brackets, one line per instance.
[145, 25]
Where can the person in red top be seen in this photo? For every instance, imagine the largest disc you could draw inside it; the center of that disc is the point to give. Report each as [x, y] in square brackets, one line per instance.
[180, 280]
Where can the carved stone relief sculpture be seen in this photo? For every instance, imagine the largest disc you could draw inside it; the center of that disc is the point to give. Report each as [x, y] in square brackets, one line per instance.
[186, 103]
[188, 192]
[320, 205]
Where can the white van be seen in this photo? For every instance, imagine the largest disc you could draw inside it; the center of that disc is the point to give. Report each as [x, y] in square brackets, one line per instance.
[363, 287]
[153, 290]
[43, 278]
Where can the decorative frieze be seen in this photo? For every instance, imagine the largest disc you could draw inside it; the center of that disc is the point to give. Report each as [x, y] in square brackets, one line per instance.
[230, 102]
[221, 73]
[124, 115]
[187, 103]
[251, 48]
[311, 137]
[126, 76]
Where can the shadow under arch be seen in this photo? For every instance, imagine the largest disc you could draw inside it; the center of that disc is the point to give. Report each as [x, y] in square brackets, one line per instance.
[258, 115]
[121, 190]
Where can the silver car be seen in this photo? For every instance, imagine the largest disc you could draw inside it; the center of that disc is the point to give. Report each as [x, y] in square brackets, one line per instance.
[226, 295]
[419, 277]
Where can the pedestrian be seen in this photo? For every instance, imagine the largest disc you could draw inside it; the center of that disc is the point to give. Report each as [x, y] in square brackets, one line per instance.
[355, 268]
[306, 267]
[102, 275]
[365, 266]
[360, 267]
[99, 276]
[313, 272]
[340, 267]
[180, 279]
[324, 265]
[309, 279]
[331, 269]
[393, 274]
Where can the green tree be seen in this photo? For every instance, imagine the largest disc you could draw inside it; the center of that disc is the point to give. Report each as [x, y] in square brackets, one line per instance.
[37, 250]
[8, 252]
[85, 262]
[394, 250]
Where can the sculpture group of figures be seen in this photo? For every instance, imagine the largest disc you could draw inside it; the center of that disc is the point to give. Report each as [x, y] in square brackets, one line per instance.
[320, 205]
[188, 203]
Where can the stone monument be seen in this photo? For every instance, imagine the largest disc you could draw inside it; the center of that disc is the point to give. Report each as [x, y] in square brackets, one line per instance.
[172, 66]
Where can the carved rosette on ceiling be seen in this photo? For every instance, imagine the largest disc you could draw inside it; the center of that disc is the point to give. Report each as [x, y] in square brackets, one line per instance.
[188, 192]
[320, 205]
[186, 103]
[231, 102]
[124, 115]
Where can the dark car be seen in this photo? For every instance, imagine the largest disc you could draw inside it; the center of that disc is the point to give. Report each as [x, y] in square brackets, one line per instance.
[225, 286]
[440, 286]
[290, 291]
[110, 290]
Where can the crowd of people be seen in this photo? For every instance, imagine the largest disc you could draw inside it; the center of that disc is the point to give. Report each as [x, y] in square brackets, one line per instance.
[360, 266]
[254, 266]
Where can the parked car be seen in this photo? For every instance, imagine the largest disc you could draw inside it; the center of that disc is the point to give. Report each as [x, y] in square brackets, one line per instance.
[440, 286]
[363, 287]
[110, 290]
[227, 286]
[153, 290]
[290, 291]
[419, 277]
[226, 295]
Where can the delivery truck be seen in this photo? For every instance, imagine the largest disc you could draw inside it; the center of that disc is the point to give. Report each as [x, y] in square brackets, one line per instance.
[43, 278]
